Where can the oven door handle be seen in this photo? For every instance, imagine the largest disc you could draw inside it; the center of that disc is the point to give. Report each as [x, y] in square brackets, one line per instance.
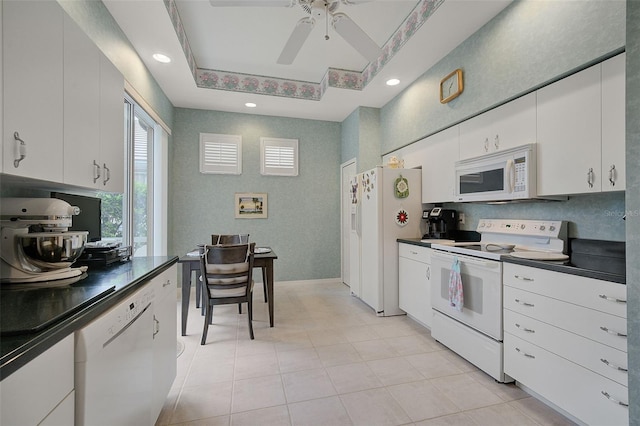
[448, 257]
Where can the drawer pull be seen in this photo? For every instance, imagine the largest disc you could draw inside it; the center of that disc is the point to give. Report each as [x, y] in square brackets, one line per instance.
[528, 330]
[615, 401]
[520, 277]
[413, 252]
[524, 303]
[525, 354]
[611, 299]
[166, 284]
[612, 365]
[615, 333]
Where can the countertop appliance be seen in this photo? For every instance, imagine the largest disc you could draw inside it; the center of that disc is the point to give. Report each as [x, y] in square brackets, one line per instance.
[385, 205]
[507, 175]
[36, 242]
[476, 331]
[441, 223]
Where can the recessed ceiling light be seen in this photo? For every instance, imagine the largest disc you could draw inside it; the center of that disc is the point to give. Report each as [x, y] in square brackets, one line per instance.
[393, 82]
[250, 105]
[161, 58]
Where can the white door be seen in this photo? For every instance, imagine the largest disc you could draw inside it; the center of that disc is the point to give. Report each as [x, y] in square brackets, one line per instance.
[347, 172]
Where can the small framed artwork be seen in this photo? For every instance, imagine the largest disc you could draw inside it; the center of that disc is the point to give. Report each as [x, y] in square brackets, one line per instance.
[250, 205]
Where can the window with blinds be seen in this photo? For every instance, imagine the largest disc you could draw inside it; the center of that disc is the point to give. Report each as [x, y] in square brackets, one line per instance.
[279, 157]
[221, 154]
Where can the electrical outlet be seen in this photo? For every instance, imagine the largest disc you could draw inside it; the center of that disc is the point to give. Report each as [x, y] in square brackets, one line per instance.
[461, 218]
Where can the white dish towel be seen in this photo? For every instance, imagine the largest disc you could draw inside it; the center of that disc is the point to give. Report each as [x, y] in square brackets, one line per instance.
[456, 294]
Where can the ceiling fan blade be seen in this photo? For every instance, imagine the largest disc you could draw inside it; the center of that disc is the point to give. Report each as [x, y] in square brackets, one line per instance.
[356, 37]
[252, 3]
[296, 40]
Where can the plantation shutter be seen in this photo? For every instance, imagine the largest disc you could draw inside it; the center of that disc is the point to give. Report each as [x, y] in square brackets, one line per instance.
[220, 154]
[279, 157]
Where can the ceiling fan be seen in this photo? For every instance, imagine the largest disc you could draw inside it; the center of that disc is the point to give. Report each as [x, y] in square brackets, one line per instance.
[316, 9]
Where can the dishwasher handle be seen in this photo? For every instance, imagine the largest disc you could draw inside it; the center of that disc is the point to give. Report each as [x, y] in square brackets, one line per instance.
[129, 324]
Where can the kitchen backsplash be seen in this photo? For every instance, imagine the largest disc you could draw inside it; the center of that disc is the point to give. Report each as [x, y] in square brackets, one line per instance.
[591, 216]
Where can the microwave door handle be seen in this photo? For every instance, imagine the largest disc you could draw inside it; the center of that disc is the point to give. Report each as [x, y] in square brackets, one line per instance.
[511, 173]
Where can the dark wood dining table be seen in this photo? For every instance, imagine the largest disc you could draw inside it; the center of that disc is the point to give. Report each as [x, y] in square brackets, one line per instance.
[191, 263]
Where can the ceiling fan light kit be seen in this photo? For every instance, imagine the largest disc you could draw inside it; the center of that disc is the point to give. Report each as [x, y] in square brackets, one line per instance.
[317, 9]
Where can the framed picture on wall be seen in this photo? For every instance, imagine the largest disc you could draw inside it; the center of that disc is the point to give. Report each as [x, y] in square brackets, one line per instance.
[249, 205]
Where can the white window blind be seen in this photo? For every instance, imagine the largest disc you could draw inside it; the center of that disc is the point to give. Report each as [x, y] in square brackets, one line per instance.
[220, 154]
[279, 157]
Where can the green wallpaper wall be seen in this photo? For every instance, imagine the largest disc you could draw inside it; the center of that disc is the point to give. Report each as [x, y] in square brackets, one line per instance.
[528, 44]
[633, 206]
[303, 224]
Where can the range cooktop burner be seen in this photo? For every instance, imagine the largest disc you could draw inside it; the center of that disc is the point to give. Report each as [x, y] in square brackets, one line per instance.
[501, 237]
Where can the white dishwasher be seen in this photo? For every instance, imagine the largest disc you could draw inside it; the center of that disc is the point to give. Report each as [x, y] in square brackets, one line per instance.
[113, 375]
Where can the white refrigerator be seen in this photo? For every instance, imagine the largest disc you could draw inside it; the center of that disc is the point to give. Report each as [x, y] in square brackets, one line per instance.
[385, 205]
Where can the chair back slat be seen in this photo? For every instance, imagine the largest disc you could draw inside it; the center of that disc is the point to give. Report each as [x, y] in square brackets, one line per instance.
[218, 239]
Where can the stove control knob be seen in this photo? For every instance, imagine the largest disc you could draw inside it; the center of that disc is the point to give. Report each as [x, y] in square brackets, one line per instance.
[542, 227]
[523, 226]
[552, 228]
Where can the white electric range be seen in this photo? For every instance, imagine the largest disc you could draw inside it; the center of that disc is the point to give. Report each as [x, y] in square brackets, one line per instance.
[474, 328]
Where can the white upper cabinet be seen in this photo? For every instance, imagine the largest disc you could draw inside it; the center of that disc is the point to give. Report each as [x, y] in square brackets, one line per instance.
[438, 160]
[613, 123]
[581, 131]
[510, 125]
[81, 107]
[93, 115]
[112, 140]
[569, 134]
[32, 49]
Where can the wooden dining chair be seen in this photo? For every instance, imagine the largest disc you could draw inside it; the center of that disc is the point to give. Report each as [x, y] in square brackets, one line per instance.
[226, 272]
[238, 239]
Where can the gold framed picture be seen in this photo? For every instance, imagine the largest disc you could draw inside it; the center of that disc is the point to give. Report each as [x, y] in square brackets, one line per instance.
[250, 205]
[451, 86]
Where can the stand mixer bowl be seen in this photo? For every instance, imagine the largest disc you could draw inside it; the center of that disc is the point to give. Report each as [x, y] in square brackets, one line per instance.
[52, 250]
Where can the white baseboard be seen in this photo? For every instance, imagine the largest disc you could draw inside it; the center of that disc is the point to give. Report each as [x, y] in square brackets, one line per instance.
[323, 281]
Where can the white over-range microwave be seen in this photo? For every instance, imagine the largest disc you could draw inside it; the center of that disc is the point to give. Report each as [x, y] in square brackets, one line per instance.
[508, 175]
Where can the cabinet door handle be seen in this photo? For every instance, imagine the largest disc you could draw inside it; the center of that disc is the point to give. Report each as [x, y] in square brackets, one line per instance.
[486, 144]
[413, 252]
[590, 177]
[496, 142]
[615, 401]
[107, 174]
[525, 354]
[528, 330]
[611, 299]
[524, 303]
[96, 171]
[156, 326]
[21, 150]
[166, 284]
[615, 333]
[612, 175]
[428, 272]
[523, 278]
[612, 365]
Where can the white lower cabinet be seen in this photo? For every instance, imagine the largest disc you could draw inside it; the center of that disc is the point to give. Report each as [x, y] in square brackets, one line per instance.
[414, 280]
[41, 392]
[164, 338]
[565, 339]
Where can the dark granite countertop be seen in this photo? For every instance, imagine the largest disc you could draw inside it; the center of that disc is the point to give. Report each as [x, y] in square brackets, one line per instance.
[17, 350]
[563, 267]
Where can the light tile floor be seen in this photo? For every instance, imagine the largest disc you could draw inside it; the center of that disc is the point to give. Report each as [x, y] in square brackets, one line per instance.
[331, 361]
